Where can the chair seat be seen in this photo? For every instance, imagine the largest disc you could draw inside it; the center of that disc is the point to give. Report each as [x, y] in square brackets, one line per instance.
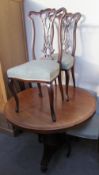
[35, 70]
[89, 129]
[67, 61]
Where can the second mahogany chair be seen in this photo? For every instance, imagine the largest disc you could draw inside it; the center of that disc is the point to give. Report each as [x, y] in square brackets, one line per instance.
[69, 28]
[43, 69]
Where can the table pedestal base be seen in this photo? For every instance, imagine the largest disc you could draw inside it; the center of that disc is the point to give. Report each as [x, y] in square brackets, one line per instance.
[52, 143]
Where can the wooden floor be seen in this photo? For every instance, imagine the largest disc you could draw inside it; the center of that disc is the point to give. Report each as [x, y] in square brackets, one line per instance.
[35, 111]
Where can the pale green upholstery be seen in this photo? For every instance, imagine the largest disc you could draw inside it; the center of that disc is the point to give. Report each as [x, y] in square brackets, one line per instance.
[67, 61]
[35, 70]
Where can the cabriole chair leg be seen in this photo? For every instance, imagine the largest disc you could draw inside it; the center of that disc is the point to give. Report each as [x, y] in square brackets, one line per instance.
[51, 100]
[40, 90]
[73, 76]
[67, 83]
[60, 86]
[12, 88]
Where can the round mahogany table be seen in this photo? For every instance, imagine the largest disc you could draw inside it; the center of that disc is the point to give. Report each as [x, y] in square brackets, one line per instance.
[34, 113]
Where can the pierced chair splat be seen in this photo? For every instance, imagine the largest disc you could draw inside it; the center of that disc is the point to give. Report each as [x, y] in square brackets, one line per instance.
[43, 69]
[69, 28]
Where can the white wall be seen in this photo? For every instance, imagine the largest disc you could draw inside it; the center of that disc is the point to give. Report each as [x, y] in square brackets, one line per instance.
[87, 53]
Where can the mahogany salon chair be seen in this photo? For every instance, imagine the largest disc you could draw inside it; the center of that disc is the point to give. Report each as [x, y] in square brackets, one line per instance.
[69, 28]
[43, 69]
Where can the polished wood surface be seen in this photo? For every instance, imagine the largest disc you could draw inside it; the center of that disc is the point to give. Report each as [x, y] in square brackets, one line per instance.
[35, 111]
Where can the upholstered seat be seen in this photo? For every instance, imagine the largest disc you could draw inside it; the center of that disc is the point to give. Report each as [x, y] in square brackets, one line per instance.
[67, 61]
[35, 70]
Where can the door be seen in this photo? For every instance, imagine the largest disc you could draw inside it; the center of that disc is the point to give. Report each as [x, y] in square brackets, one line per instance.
[3, 97]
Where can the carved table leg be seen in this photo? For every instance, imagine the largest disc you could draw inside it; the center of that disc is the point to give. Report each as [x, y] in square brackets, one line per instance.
[16, 131]
[48, 152]
[52, 143]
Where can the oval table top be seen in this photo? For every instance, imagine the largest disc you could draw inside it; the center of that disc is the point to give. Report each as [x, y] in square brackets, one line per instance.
[34, 111]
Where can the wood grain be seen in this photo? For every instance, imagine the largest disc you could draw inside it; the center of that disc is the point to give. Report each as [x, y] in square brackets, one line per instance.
[35, 111]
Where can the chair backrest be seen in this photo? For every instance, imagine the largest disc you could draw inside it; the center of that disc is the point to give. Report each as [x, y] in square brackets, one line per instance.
[46, 22]
[69, 27]
[60, 14]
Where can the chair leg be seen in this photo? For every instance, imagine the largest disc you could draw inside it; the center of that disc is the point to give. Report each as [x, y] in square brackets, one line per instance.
[55, 82]
[51, 100]
[12, 88]
[21, 85]
[30, 85]
[67, 83]
[73, 76]
[40, 91]
[60, 86]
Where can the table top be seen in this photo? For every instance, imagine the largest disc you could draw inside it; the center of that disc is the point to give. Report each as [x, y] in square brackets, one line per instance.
[34, 111]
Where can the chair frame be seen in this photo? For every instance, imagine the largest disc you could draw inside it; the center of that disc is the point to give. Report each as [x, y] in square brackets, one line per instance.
[49, 84]
[74, 17]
